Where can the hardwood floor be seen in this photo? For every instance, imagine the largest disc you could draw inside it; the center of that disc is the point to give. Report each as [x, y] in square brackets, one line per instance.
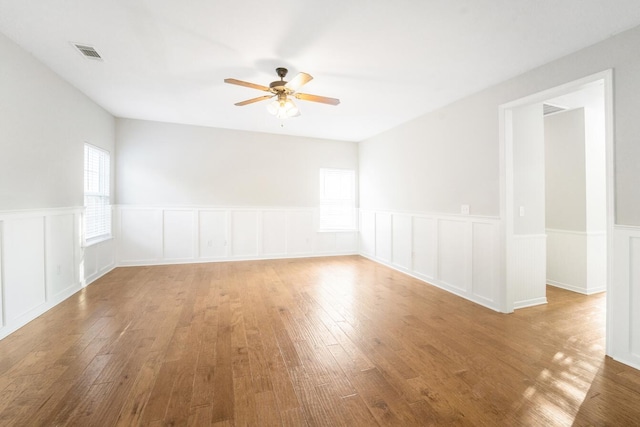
[322, 341]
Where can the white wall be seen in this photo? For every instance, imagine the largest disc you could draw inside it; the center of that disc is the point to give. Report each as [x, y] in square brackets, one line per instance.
[156, 235]
[180, 165]
[196, 194]
[451, 156]
[44, 123]
[576, 198]
[458, 253]
[526, 271]
[528, 170]
[595, 166]
[565, 170]
[435, 163]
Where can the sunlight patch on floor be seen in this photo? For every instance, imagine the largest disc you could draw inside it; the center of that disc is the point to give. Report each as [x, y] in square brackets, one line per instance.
[558, 391]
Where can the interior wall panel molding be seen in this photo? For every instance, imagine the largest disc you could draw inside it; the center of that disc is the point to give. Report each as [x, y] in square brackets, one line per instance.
[152, 235]
[624, 291]
[458, 253]
[43, 262]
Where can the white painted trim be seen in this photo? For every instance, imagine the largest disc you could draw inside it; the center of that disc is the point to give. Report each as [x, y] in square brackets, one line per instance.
[576, 289]
[311, 249]
[31, 213]
[462, 285]
[77, 280]
[235, 259]
[215, 208]
[430, 281]
[530, 303]
[627, 228]
[37, 311]
[101, 272]
[611, 203]
[576, 233]
[506, 177]
[443, 215]
[529, 236]
[3, 307]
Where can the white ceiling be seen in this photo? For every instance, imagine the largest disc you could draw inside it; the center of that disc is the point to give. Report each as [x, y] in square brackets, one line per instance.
[388, 61]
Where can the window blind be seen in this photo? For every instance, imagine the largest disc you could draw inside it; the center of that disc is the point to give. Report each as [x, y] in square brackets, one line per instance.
[97, 205]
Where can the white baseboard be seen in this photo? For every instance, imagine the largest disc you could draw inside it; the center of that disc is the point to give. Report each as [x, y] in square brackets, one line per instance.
[576, 289]
[530, 303]
[429, 281]
[458, 254]
[37, 311]
[144, 263]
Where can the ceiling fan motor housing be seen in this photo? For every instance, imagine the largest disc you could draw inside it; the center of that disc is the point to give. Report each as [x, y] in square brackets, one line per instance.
[279, 85]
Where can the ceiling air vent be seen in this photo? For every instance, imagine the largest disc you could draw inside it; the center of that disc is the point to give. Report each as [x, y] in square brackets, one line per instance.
[88, 51]
[550, 109]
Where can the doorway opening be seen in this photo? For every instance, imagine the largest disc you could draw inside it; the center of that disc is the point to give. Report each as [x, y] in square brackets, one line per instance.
[565, 210]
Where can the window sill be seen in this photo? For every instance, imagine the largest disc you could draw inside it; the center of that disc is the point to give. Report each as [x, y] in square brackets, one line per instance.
[338, 230]
[97, 240]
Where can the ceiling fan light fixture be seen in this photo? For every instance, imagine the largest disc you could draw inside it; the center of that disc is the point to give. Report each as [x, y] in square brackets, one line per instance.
[283, 108]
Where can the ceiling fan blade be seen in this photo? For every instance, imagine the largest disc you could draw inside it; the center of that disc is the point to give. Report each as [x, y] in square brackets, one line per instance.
[251, 101]
[316, 98]
[246, 84]
[298, 81]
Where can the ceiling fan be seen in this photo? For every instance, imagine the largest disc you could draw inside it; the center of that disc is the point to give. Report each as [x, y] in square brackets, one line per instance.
[283, 106]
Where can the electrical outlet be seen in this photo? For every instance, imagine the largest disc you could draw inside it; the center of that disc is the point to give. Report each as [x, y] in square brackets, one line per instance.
[464, 209]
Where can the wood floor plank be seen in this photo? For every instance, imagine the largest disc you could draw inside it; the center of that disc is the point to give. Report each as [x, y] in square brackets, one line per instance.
[308, 342]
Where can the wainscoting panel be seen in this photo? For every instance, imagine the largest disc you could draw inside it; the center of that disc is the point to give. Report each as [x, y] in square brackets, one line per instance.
[99, 259]
[140, 235]
[577, 260]
[2, 322]
[383, 236]
[529, 273]
[484, 280]
[346, 242]
[624, 297]
[179, 235]
[401, 241]
[425, 247]
[368, 233]
[244, 234]
[61, 265]
[212, 234]
[457, 253]
[326, 243]
[41, 263]
[567, 259]
[207, 234]
[596, 262]
[634, 285]
[452, 254]
[300, 232]
[24, 267]
[274, 233]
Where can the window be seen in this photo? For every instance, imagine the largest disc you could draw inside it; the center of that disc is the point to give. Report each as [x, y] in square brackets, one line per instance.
[337, 199]
[97, 218]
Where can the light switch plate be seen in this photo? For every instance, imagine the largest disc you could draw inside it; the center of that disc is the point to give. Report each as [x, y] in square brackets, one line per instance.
[464, 209]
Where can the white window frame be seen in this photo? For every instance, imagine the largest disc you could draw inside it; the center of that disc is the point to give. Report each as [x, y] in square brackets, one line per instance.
[337, 206]
[97, 196]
